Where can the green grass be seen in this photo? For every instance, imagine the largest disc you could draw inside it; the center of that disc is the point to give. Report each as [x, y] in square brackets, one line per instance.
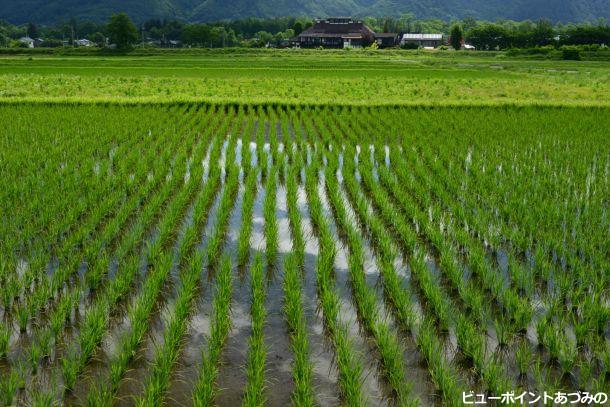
[359, 78]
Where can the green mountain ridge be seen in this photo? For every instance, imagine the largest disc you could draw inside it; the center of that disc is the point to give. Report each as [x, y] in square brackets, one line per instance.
[43, 11]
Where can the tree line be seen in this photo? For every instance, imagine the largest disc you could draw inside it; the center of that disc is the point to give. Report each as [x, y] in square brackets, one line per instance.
[120, 31]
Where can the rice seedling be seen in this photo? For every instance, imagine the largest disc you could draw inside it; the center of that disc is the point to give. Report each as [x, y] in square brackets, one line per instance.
[243, 244]
[255, 366]
[5, 336]
[205, 389]
[293, 309]
[271, 228]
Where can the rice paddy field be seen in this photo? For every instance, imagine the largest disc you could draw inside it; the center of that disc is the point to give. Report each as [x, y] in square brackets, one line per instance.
[306, 77]
[197, 253]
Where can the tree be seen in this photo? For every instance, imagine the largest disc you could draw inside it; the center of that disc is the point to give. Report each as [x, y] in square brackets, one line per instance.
[543, 34]
[197, 34]
[469, 23]
[488, 37]
[456, 37]
[298, 28]
[98, 38]
[121, 31]
[32, 31]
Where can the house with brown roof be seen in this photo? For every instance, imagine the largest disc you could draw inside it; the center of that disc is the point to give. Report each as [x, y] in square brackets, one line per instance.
[341, 32]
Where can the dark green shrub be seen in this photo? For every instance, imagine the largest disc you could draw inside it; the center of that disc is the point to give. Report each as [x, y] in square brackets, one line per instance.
[570, 54]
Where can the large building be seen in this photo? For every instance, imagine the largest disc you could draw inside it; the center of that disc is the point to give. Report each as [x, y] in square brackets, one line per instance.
[336, 32]
[422, 40]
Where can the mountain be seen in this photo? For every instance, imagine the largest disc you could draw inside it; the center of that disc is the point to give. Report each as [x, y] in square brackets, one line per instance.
[45, 11]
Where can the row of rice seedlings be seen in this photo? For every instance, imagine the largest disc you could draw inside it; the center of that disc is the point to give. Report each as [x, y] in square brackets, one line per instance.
[42, 239]
[141, 307]
[48, 287]
[67, 256]
[216, 241]
[348, 363]
[243, 243]
[261, 155]
[206, 389]
[271, 227]
[470, 340]
[583, 326]
[442, 372]
[167, 354]
[386, 342]
[302, 370]
[512, 304]
[97, 317]
[294, 267]
[296, 227]
[246, 153]
[254, 394]
[72, 151]
[41, 347]
[561, 349]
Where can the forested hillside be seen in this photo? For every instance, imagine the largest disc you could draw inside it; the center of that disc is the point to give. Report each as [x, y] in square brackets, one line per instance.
[42, 11]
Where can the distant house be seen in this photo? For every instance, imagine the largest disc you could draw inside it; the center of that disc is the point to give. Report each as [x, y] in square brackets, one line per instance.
[84, 43]
[385, 40]
[27, 41]
[422, 40]
[336, 32]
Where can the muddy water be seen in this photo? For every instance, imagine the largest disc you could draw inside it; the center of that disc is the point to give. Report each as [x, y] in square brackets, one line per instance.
[279, 353]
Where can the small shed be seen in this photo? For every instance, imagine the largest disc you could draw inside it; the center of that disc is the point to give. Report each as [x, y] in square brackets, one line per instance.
[386, 40]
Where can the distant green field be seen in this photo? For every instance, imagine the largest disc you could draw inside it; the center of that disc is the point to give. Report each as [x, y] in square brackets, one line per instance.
[296, 77]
